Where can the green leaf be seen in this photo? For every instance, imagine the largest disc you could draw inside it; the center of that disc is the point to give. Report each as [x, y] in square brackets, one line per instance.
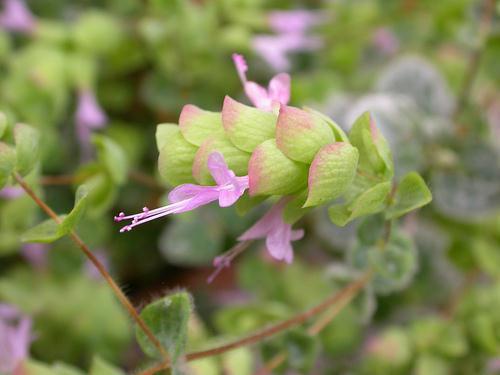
[102, 193]
[197, 125]
[412, 193]
[247, 127]
[369, 202]
[394, 263]
[331, 172]
[176, 158]
[101, 367]
[3, 124]
[50, 231]
[300, 134]
[302, 350]
[272, 173]
[78, 210]
[7, 163]
[486, 256]
[374, 153]
[47, 231]
[168, 320]
[340, 136]
[112, 157]
[163, 133]
[27, 141]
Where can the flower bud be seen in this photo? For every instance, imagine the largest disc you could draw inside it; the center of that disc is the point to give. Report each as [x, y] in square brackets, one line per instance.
[300, 134]
[236, 159]
[331, 172]
[247, 127]
[196, 124]
[176, 157]
[272, 173]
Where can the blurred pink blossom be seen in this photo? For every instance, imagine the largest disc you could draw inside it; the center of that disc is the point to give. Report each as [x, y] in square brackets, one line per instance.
[11, 192]
[89, 116]
[15, 339]
[385, 41]
[17, 17]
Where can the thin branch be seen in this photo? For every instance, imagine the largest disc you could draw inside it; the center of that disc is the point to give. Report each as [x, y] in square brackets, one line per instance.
[313, 330]
[115, 288]
[475, 58]
[135, 176]
[275, 329]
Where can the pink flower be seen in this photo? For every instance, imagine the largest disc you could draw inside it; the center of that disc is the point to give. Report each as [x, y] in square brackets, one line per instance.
[188, 197]
[88, 116]
[278, 91]
[278, 234]
[36, 254]
[15, 338]
[294, 21]
[17, 17]
[385, 41]
[11, 192]
[274, 49]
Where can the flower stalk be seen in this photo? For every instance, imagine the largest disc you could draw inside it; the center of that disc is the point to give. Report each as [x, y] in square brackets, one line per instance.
[100, 267]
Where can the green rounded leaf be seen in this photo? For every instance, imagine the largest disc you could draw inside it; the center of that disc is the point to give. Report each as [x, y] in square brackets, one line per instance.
[369, 202]
[176, 158]
[197, 125]
[374, 153]
[112, 157]
[301, 134]
[272, 173]
[247, 127]
[331, 173]
[412, 193]
[27, 141]
[7, 163]
[168, 320]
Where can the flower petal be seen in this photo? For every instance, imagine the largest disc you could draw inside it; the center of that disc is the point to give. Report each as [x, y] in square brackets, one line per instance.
[278, 242]
[279, 88]
[219, 169]
[241, 66]
[258, 95]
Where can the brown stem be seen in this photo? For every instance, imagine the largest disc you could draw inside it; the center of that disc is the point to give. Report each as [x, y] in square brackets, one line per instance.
[475, 58]
[270, 331]
[136, 176]
[115, 288]
[313, 330]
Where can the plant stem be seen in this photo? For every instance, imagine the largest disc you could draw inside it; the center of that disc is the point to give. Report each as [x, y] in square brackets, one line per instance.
[472, 69]
[313, 330]
[114, 287]
[347, 292]
[137, 176]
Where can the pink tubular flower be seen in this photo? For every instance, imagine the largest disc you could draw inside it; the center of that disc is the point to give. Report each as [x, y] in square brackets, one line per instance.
[15, 338]
[294, 21]
[278, 234]
[17, 17]
[188, 197]
[88, 116]
[11, 192]
[278, 91]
